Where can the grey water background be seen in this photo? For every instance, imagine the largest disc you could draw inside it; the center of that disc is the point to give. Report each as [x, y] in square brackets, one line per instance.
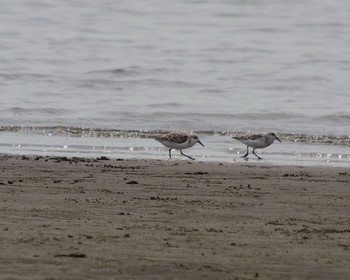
[208, 66]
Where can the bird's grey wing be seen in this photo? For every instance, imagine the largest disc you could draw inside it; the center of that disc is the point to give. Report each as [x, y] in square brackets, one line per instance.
[177, 137]
[253, 136]
[172, 137]
[247, 137]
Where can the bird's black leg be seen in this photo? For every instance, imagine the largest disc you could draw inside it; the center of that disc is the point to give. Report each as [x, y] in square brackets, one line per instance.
[247, 153]
[256, 154]
[186, 155]
[170, 153]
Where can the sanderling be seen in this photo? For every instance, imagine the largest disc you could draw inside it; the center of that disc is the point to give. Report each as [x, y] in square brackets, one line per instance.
[257, 141]
[178, 141]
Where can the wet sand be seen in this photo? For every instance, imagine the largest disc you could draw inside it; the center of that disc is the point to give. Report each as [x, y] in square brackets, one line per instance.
[83, 218]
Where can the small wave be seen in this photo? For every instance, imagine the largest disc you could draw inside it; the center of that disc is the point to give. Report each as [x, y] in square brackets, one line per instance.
[306, 78]
[45, 111]
[336, 117]
[269, 30]
[129, 70]
[23, 76]
[118, 71]
[165, 104]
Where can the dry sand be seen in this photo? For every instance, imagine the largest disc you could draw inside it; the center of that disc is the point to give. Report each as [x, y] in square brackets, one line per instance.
[163, 219]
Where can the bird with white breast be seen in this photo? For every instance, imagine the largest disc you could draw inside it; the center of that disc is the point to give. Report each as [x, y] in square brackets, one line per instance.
[257, 141]
[178, 141]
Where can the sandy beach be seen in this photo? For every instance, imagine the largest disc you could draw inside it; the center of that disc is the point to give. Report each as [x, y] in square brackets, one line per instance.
[78, 218]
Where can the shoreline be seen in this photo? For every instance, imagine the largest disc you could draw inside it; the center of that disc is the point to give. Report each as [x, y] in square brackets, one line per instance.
[65, 218]
[217, 149]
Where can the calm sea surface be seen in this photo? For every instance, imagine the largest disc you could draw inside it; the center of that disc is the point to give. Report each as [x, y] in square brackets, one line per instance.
[209, 66]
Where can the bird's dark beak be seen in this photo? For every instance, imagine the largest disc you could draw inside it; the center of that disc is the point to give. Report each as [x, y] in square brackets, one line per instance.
[200, 143]
[278, 139]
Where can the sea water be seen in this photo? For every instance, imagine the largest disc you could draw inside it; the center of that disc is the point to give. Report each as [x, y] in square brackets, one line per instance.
[71, 69]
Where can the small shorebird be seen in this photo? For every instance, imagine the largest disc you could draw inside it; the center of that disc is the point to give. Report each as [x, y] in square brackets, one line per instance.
[178, 141]
[257, 141]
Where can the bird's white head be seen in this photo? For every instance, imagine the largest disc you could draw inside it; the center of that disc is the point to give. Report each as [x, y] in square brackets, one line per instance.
[193, 138]
[273, 136]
